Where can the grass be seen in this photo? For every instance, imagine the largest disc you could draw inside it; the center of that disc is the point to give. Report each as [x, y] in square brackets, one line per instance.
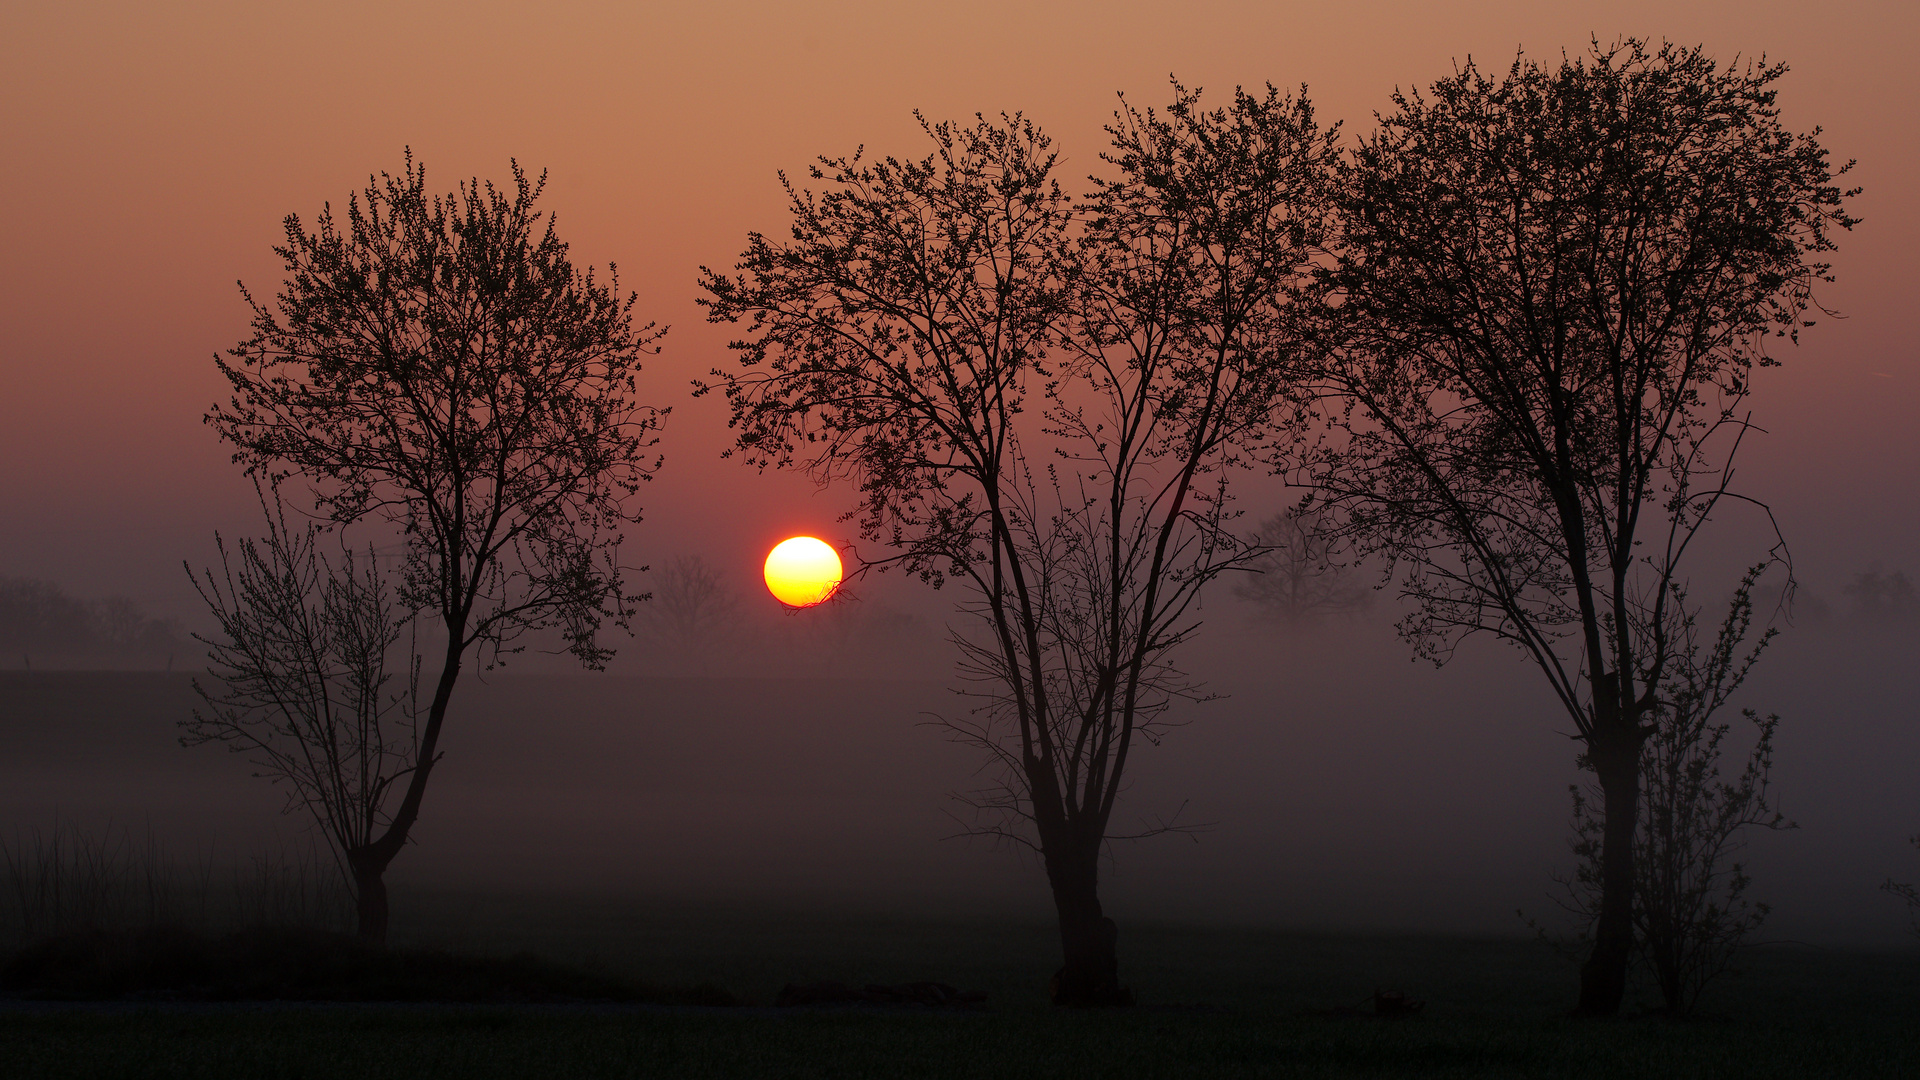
[66, 879]
[163, 963]
[1216, 1001]
[400, 1042]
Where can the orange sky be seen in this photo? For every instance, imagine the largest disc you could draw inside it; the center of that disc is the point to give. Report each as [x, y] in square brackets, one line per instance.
[149, 157]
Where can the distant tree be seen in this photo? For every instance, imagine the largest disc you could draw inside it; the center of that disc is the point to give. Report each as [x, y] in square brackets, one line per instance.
[1300, 578]
[39, 619]
[1691, 911]
[126, 630]
[692, 612]
[1043, 402]
[1555, 285]
[1880, 596]
[851, 634]
[302, 680]
[439, 365]
[120, 622]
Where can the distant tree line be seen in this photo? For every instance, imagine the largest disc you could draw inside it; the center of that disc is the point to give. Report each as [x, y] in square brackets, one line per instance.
[696, 622]
[40, 625]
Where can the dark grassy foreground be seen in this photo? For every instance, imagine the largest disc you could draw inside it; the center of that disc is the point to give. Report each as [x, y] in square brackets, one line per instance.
[1215, 1002]
[166, 964]
[407, 1043]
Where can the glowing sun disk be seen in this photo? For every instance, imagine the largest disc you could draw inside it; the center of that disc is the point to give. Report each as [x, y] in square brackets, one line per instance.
[802, 572]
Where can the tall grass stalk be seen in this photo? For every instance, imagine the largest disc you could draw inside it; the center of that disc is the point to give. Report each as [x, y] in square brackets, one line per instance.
[66, 878]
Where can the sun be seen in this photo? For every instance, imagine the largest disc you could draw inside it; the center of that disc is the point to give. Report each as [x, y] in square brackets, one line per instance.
[802, 572]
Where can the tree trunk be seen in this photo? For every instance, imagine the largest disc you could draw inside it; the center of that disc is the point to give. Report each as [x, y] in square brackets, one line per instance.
[1615, 753]
[1088, 939]
[369, 863]
[369, 895]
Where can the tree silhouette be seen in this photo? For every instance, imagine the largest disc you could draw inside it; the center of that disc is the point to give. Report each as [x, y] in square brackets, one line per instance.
[302, 683]
[1691, 910]
[1300, 578]
[691, 612]
[1554, 286]
[1044, 403]
[440, 366]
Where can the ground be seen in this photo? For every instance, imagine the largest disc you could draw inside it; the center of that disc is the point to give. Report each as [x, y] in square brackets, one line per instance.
[1215, 1001]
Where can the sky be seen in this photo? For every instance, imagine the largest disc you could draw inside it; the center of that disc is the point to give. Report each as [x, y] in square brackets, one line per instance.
[151, 152]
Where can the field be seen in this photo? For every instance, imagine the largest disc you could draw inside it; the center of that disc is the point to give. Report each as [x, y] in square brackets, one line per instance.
[622, 808]
[1215, 1001]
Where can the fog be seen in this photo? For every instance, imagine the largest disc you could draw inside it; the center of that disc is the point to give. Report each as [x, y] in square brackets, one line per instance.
[1334, 784]
[794, 759]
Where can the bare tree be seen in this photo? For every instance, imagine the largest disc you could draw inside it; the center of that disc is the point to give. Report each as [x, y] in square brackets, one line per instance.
[1043, 402]
[1555, 286]
[440, 366]
[1691, 910]
[1301, 578]
[303, 682]
[692, 612]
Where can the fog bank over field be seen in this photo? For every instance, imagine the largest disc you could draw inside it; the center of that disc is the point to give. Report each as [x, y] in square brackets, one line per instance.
[1338, 784]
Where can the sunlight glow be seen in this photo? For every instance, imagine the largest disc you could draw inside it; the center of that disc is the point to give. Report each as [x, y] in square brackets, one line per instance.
[802, 572]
